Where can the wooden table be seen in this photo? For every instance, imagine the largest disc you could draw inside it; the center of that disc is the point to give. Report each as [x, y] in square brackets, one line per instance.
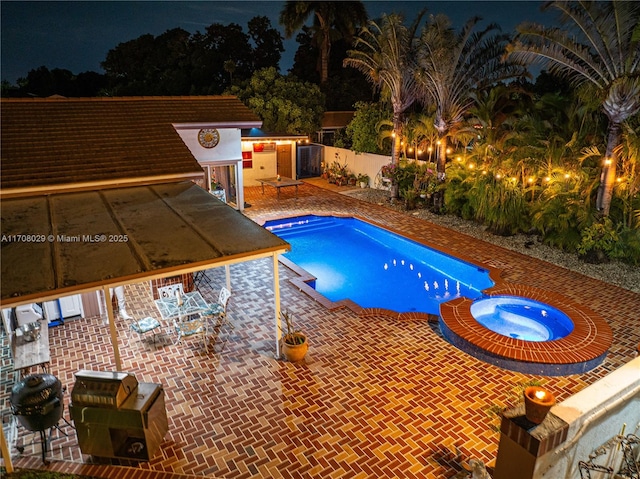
[283, 182]
[29, 354]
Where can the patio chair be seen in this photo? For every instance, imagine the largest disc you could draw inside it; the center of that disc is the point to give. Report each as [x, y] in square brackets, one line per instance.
[144, 327]
[165, 292]
[216, 314]
[192, 326]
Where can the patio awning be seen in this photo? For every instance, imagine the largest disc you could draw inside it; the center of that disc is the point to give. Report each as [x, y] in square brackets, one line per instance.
[64, 243]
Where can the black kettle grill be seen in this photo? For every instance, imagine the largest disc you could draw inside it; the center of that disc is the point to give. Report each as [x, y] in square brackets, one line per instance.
[37, 401]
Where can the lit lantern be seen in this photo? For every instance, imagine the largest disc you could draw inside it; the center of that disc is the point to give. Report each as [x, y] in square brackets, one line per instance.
[537, 403]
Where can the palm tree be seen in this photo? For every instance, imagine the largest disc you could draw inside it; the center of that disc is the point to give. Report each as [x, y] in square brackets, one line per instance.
[452, 66]
[331, 20]
[598, 44]
[384, 52]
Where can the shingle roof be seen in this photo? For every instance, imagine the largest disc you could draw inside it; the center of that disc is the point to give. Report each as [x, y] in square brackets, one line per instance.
[332, 120]
[59, 141]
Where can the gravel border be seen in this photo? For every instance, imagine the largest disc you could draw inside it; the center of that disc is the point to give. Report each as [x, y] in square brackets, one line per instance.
[616, 273]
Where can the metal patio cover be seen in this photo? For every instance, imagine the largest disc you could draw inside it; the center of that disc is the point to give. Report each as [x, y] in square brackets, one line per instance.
[82, 241]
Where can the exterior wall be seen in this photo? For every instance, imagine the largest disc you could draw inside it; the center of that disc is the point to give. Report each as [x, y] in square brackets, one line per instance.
[263, 164]
[228, 148]
[573, 430]
[595, 415]
[359, 163]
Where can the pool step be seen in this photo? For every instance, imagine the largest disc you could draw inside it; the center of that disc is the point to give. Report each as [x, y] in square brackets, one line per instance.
[309, 224]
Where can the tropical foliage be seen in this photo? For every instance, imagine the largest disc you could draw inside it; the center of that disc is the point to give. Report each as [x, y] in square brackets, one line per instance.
[453, 66]
[362, 131]
[385, 52]
[599, 43]
[331, 20]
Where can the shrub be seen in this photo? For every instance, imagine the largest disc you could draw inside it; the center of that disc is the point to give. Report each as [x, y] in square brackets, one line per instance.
[499, 204]
[598, 241]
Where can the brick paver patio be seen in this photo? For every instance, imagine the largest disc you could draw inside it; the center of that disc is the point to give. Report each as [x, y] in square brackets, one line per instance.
[375, 398]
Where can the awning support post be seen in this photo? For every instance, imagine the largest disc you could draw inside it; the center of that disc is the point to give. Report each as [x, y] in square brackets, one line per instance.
[112, 328]
[6, 454]
[276, 294]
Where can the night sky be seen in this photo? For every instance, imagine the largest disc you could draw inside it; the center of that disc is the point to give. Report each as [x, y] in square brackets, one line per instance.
[77, 35]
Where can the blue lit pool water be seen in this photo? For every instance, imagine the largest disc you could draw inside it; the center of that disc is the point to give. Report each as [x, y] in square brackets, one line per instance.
[521, 318]
[375, 268]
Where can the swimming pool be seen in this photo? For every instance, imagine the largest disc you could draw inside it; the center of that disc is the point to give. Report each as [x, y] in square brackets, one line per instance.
[521, 318]
[578, 343]
[375, 268]
[384, 272]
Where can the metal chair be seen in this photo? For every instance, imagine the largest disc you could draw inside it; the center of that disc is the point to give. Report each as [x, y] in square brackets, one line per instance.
[192, 326]
[142, 327]
[217, 312]
[170, 291]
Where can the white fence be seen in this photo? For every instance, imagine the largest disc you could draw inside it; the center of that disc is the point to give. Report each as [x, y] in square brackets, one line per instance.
[358, 163]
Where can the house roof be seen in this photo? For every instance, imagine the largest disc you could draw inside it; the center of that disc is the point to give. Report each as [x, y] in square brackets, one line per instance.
[88, 142]
[333, 120]
[84, 240]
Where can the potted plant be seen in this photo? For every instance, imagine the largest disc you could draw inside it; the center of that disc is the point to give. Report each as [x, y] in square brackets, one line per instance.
[293, 342]
[363, 180]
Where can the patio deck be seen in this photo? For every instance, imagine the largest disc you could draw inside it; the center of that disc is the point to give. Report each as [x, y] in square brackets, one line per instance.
[376, 398]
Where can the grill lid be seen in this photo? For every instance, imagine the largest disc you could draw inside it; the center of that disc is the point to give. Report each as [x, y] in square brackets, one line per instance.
[102, 389]
[35, 395]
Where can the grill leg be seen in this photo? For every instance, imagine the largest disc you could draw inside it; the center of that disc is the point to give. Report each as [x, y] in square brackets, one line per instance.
[44, 440]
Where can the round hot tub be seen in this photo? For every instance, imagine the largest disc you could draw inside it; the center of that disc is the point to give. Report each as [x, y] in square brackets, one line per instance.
[521, 318]
[527, 329]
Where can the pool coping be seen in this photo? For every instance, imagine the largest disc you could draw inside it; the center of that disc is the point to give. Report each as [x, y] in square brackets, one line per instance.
[588, 343]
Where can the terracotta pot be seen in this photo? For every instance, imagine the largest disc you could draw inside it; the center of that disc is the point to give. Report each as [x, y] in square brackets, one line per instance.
[295, 352]
[537, 403]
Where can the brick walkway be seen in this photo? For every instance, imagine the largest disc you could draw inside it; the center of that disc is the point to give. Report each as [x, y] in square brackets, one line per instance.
[376, 398]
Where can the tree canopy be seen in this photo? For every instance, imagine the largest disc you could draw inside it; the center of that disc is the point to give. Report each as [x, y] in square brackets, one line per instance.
[331, 21]
[599, 43]
[204, 63]
[285, 104]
